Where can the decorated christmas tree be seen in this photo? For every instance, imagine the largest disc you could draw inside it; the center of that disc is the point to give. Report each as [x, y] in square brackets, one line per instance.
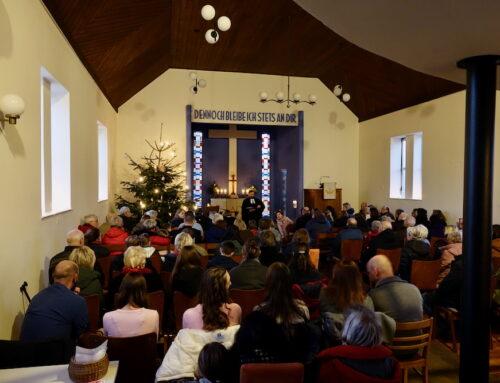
[159, 182]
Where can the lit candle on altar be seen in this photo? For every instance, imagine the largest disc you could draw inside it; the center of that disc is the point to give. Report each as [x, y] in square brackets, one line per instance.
[294, 204]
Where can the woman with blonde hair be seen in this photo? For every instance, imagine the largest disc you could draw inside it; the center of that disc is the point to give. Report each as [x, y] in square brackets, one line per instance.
[215, 310]
[89, 280]
[449, 252]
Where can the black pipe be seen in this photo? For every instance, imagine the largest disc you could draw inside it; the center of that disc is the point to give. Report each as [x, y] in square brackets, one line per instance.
[477, 211]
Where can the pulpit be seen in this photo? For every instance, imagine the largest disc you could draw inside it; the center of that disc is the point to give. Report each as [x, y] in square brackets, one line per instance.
[313, 198]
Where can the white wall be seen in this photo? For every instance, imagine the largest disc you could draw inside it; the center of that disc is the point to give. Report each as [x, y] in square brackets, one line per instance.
[30, 39]
[442, 122]
[330, 129]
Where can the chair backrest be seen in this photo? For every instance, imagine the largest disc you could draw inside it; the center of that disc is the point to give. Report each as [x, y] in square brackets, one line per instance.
[202, 245]
[394, 256]
[165, 279]
[156, 301]
[182, 303]
[93, 311]
[420, 341]
[272, 373]
[424, 274]
[204, 261]
[137, 355]
[116, 248]
[247, 299]
[105, 264]
[325, 242]
[237, 258]
[212, 248]
[350, 249]
[314, 257]
[156, 262]
[161, 247]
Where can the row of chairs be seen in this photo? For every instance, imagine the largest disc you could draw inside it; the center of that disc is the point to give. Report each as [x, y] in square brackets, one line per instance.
[135, 367]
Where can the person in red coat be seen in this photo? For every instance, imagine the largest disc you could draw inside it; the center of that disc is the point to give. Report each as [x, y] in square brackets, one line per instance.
[115, 235]
[361, 357]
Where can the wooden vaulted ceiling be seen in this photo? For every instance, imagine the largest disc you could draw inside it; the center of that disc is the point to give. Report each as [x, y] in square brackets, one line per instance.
[126, 44]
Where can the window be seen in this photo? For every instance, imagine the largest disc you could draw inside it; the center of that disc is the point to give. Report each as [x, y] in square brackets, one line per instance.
[102, 162]
[55, 146]
[406, 166]
[197, 168]
[266, 173]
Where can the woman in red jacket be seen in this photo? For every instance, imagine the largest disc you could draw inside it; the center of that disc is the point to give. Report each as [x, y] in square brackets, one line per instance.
[115, 235]
[361, 358]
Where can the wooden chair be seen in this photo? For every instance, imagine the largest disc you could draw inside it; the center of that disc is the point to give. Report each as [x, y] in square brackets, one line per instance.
[203, 245]
[434, 245]
[156, 301]
[424, 274]
[237, 258]
[204, 261]
[212, 248]
[137, 355]
[350, 249]
[247, 299]
[116, 248]
[325, 242]
[161, 247]
[419, 343]
[394, 256]
[181, 304]
[314, 257]
[272, 373]
[156, 262]
[93, 309]
[105, 264]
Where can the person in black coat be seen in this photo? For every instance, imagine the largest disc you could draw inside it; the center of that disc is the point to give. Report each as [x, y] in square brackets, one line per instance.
[250, 274]
[385, 239]
[252, 207]
[91, 237]
[303, 218]
[224, 260]
[417, 247]
[269, 251]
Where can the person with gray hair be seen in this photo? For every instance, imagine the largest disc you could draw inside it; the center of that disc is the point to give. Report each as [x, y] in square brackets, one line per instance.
[128, 219]
[450, 252]
[116, 235]
[74, 239]
[417, 247]
[392, 295]
[56, 311]
[361, 357]
[89, 221]
[385, 239]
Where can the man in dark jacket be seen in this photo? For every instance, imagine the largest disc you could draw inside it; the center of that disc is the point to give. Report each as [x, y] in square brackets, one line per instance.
[57, 312]
[74, 239]
[385, 239]
[304, 217]
[318, 224]
[252, 207]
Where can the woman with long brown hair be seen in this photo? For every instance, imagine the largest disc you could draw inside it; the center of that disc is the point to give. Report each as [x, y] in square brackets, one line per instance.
[215, 310]
[345, 289]
[132, 318]
[187, 272]
[279, 303]
[301, 268]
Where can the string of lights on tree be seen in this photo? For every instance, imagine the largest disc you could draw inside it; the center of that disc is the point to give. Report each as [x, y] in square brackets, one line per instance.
[159, 182]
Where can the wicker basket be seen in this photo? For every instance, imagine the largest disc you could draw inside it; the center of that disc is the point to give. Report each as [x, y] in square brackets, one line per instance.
[88, 372]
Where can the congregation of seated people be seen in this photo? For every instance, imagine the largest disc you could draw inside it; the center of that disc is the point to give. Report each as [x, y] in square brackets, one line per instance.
[330, 313]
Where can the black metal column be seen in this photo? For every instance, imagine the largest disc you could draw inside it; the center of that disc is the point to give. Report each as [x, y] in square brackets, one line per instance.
[477, 211]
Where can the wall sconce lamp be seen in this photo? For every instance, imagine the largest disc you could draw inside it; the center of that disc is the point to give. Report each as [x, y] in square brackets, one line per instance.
[337, 91]
[12, 107]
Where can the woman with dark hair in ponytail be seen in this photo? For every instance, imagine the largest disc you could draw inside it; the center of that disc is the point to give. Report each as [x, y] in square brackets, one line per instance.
[215, 310]
[301, 268]
[250, 274]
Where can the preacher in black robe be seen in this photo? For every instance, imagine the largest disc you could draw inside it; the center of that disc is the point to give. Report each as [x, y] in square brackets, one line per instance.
[252, 208]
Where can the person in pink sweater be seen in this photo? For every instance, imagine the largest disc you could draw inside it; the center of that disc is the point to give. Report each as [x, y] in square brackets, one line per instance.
[133, 318]
[215, 310]
[449, 252]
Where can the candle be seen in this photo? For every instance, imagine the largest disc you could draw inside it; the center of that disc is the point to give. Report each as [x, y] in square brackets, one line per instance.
[243, 191]
[294, 204]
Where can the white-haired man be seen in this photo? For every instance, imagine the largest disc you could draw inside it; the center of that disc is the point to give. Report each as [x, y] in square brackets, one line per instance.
[128, 219]
[74, 239]
[385, 239]
[89, 221]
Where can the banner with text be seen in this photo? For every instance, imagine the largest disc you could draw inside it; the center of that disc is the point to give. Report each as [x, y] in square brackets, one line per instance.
[238, 117]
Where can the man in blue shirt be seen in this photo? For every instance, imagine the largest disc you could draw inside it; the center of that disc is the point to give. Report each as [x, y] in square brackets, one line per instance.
[57, 311]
